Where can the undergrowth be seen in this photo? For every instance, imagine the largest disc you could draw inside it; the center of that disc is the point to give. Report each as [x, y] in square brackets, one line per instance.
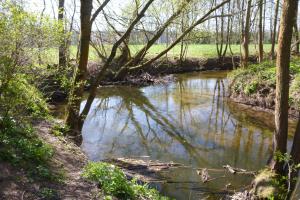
[113, 182]
[260, 80]
[20, 146]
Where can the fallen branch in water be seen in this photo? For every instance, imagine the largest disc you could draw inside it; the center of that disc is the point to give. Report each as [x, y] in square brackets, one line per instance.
[233, 170]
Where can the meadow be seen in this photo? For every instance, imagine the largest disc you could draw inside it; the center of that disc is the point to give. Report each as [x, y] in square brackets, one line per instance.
[193, 51]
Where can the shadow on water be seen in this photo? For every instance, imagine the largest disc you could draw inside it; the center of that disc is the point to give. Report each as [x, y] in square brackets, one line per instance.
[188, 122]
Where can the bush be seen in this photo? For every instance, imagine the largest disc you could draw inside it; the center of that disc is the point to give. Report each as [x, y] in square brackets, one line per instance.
[113, 181]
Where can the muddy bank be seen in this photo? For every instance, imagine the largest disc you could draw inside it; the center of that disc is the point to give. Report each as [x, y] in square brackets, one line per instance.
[160, 72]
[264, 103]
[174, 65]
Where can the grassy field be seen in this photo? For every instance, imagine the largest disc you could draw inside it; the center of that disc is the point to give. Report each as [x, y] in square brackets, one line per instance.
[193, 51]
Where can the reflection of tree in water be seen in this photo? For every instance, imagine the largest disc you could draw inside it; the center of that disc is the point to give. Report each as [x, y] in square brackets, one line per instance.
[132, 99]
[151, 125]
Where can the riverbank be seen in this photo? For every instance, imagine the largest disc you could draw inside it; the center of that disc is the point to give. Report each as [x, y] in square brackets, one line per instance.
[47, 165]
[256, 85]
[56, 177]
[160, 72]
[174, 65]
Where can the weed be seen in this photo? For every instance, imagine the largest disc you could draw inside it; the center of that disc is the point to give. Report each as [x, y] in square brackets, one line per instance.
[48, 193]
[113, 181]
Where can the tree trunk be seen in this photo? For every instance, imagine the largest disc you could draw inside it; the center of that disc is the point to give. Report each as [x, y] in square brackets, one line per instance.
[274, 31]
[74, 121]
[261, 37]
[296, 32]
[62, 54]
[295, 157]
[282, 82]
[245, 44]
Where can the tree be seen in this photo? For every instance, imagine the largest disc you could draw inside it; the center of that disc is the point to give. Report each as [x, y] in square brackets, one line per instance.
[101, 74]
[62, 47]
[282, 82]
[296, 32]
[74, 118]
[260, 29]
[246, 36]
[274, 30]
[86, 20]
[81, 74]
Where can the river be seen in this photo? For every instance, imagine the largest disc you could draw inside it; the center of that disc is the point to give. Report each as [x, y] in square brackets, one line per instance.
[189, 121]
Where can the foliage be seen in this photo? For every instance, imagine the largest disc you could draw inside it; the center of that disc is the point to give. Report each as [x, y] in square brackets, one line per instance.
[247, 81]
[113, 181]
[269, 185]
[24, 35]
[20, 146]
[19, 99]
[259, 76]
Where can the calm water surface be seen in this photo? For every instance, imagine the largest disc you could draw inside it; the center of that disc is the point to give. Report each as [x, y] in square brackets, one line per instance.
[188, 122]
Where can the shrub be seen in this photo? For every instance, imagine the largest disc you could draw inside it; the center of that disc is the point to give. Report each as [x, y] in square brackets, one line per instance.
[113, 181]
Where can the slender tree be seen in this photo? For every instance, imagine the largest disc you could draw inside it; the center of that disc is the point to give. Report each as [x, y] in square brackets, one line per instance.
[62, 48]
[274, 31]
[296, 32]
[246, 36]
[86, 20]
[282, 82]
[260, 29]
[81, 74]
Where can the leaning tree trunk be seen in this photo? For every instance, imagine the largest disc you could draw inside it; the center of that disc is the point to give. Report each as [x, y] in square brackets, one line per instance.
[274, 31]
[245, 44]
[282, 82]
[62, 54]
[74, 121]
[261, 37]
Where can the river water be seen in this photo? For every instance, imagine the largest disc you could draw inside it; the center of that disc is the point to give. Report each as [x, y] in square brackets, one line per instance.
[189, 121]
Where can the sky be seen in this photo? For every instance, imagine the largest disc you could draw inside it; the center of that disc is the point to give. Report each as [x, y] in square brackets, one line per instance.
[37, 6]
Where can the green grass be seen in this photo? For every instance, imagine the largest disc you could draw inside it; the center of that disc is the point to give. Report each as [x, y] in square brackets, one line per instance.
[113, 182]
[193, 51]
[262, 77]
[196, 50]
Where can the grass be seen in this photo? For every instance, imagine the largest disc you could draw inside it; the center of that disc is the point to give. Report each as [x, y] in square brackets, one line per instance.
[113, 182]
[260, 80]
[193, 51]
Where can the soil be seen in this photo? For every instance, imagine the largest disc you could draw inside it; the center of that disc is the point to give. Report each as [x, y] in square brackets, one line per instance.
[67, 158]
[266, 104]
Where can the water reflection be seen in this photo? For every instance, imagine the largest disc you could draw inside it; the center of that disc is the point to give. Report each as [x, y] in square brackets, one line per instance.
[188, 121]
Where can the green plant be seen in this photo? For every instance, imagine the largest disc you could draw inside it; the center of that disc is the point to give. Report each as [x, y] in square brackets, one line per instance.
[59, 130]
[48, 194]
[113, 181]
[251, 88]
[20, 146]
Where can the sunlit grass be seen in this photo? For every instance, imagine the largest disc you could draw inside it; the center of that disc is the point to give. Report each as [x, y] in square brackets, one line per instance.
[193, 51]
